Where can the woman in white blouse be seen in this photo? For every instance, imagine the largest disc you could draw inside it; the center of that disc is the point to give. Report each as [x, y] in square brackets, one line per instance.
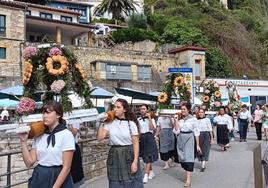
[205, 138]
[123, 168]
[224, 126]
[187, 131]
[53, 151]
[244, 119]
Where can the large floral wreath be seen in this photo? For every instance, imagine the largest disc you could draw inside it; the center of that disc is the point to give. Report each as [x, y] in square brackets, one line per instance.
[174, 86]
[56, 72]
[211, 94]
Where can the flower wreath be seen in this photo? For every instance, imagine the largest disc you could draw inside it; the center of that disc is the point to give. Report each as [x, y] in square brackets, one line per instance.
[51, 61]
[174, 86]
[211, 94]
[56, 72]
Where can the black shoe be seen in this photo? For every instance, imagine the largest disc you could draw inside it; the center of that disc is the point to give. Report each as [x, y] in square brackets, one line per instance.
[202, 169]
[240, 140]
[245, 140]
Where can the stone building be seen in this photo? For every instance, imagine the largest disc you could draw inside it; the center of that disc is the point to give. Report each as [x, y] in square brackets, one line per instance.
[142, 70]
[12, 37]
[22, 23]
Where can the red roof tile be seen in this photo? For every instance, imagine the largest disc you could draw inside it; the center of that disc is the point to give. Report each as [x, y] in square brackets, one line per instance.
[185, 48]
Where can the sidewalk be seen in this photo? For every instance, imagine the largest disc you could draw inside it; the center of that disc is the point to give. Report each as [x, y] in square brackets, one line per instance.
[231, 169]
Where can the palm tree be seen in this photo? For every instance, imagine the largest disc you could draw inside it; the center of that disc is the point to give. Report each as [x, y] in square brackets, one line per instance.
[116, 7]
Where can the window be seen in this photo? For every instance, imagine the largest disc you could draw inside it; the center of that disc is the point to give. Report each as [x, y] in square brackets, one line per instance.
[28, 12]
[2, 25]
[184, 65]
[118, 72]
[144, 73]
[81, 11]
[2, 53]
[197, 69]
[45, 15]
[66, 18]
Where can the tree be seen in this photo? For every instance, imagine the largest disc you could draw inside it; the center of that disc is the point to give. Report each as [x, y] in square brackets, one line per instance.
[116, 7]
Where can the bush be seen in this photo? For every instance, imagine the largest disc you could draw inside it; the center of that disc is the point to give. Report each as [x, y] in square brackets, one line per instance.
[138, 21]
[157, 22]
[133, 35]
[250, 21]
[183, 33]
[217, 65]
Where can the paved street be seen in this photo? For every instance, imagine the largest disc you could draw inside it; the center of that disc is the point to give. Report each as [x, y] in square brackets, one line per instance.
[231, 169]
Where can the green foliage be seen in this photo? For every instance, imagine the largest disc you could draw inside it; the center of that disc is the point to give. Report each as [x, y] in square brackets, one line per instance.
[250, 21]
[217, 65]
[157, 22]
[182, 33]
[138, 21]
[108, 21]
[133, 35]
[118, 8]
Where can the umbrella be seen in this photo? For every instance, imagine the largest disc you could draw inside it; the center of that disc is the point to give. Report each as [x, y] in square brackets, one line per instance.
[8, 103]
[17, 91]
[135, 94]
[100, 93]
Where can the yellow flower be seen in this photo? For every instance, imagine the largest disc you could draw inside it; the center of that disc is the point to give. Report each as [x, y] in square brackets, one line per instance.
[179, 81]
[217, 94]
[206, 98]
[162, 98]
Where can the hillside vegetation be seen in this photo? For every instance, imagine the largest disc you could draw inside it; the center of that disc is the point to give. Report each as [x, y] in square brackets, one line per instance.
[236, 39]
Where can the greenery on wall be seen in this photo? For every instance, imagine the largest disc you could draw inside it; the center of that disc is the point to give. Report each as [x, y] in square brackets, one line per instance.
[236, 39]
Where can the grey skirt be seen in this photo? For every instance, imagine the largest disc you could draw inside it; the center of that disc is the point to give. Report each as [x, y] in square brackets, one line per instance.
[167, 140]
[186, 147]
[119, 173]
[45, 177]
[204, 142]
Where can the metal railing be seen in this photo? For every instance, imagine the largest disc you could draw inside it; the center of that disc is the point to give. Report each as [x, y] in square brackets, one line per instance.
[8, 174]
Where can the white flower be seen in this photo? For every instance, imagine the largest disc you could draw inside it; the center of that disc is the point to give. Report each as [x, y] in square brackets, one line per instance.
[57, 86]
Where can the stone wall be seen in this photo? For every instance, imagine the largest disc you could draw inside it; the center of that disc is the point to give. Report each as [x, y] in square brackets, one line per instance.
[94, 159]
[12, 41]
[159, 62]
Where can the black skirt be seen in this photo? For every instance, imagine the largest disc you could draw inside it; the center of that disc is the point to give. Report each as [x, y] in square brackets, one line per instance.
[77, 166]
[222, 134]
[188, 166]
[45, 177]
[148, 148]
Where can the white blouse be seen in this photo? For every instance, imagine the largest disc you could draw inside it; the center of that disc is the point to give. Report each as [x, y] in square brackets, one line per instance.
[189, 125]
[52, 156]
[165, 122]
[205, 124]
[121, 131]
[245, 115]
[144, 125]
[224, 120]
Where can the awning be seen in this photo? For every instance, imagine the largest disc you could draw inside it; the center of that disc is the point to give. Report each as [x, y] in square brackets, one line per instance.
[135, 94]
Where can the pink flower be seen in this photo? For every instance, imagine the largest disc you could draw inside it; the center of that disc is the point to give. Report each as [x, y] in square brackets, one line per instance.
[29, 52]
[216, 85]
[57, 86]
[207, 91]
[90, 85]
[55, 51]
[217, 103]
[26, 106]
